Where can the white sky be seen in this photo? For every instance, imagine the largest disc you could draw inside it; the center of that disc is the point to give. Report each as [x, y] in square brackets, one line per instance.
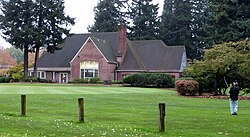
[82, 11]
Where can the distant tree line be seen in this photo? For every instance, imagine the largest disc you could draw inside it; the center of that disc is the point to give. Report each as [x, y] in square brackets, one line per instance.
[196, 24]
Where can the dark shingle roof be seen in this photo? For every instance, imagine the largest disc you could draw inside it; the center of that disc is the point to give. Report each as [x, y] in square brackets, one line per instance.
[105, 48]
[145, 55]
[153, 55]
[72, 44]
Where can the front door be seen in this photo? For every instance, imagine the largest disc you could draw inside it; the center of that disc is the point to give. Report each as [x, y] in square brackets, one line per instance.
[64, 78]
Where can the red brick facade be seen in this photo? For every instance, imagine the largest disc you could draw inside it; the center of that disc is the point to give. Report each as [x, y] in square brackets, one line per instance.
[89, 52]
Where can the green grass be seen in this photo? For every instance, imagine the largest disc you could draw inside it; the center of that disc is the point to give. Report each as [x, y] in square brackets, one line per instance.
[52, 110]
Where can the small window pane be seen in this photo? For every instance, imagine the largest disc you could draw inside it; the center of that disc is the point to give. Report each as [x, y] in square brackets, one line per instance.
[96, 73]
[89, 73]
[42, 74]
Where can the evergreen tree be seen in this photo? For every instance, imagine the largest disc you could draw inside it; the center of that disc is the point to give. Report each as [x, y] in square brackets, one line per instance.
[200, 35]
[31, 24]
[145, 20]
[50, 25]
[108, 15]
[16, 24]
[177, 24]
[230, 20]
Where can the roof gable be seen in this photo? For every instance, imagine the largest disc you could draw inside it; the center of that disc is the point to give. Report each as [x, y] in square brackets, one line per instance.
[102, 46]
[72, 44]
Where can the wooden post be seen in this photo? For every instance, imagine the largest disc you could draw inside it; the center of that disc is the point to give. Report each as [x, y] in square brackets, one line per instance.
[161, 117]
[23, 105]
[81, 109]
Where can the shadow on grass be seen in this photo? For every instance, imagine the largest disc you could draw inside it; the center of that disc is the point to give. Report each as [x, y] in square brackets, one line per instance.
[12, 115]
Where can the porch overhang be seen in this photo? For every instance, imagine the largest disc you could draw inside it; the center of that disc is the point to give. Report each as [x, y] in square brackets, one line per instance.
[53, 69]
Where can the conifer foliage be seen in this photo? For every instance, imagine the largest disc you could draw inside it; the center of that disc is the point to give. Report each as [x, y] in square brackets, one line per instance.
[230, 20]
[108, 14]
[31, 24]
[145, 20]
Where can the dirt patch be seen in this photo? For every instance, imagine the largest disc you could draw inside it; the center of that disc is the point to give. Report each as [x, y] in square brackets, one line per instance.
[226, 97]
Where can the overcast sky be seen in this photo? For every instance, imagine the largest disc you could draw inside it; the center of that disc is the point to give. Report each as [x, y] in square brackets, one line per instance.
[82, 11]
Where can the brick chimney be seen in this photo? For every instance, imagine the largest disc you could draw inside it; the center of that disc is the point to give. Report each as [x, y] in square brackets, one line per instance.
[122, 36]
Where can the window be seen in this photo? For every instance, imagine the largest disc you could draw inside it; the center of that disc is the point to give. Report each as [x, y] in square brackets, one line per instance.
[89, 69]
[41, 74]
[31, 73]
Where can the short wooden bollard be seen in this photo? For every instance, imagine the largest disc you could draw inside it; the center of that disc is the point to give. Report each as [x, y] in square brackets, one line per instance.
[81, 109]
[23, 105]
[162, 117]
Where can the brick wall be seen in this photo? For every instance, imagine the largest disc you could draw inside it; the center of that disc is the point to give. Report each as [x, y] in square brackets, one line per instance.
[89, 52]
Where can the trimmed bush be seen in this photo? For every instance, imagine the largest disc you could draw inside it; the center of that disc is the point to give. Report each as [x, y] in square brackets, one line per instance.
[117, 82]
[2, 79]
[91, 80]
[184, 87]
[149, 80]
[79, 80]
[32, 79]
[7, 79]
[94, 80]
[16, 77]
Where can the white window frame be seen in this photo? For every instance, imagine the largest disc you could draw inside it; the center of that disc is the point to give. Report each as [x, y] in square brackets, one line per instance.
[30, 73]
[93, 73]
[53, 75]
[92, 66]
[39, 74]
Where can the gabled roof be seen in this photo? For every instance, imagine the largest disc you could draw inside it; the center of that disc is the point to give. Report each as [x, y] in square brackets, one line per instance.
[72, 44]
[143, 55]
[152, 55]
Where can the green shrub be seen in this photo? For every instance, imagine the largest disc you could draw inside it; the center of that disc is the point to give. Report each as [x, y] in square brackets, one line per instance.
[76, 80]
[16, 77]
[149, 80]
[245, 91]
[44, 80]
[184, 87]
[117, 82]
[2, 79]
[7, 79]
[94, 80]
[32, 79]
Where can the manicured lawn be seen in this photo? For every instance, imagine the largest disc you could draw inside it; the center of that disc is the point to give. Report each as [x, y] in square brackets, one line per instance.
[52, 110]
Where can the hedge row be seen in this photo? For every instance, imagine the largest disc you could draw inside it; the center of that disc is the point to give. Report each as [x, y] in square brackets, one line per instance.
[91, 80]
[5, 79]
[150, 80]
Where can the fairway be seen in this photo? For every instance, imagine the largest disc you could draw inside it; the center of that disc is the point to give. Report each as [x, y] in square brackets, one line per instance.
[52, 111]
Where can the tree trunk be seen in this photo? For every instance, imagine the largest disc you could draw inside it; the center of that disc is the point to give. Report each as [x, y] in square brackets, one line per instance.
[35, 63]
[216, 82]
[25, 63]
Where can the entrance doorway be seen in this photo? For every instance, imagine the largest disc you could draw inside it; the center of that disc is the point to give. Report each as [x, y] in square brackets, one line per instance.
[63, 77]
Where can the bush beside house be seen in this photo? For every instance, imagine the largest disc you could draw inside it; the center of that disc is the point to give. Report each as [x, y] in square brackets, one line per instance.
[150, 80]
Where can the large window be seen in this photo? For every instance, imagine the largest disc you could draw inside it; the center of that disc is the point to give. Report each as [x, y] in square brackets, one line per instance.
[89, 69]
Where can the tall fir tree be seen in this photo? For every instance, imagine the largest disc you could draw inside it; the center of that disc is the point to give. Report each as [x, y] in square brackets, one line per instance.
[145, 20]
[108, 15]
[16, 24]
[50, 26]
[200, 35]
[230, 20]
[176, 24]
[31, 24]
